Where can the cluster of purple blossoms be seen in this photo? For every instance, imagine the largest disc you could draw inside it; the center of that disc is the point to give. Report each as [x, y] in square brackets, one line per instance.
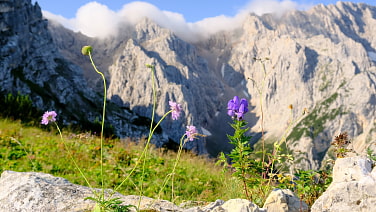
[191, 132]
[236, 107]
[48, 117]
[176, 109]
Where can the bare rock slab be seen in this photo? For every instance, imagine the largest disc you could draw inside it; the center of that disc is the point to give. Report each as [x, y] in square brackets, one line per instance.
[284, 200]
[31, 191]
[353, 187]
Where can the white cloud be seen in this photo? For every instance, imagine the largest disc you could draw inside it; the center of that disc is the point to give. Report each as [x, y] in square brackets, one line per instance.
[260, 7]
[97, 20]
[58, 19]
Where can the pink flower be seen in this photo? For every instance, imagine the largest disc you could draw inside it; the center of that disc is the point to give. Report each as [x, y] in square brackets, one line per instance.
[48, 116]
[191, 132]
[176, 109]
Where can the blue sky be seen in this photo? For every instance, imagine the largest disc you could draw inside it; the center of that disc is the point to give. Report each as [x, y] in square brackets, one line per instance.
[192, 10]
[190, 19]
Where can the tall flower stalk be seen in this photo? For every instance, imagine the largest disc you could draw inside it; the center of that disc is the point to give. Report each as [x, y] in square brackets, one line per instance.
[190, 134]
[50, 117]
[86, 50]
[175, 110]
[240, 153]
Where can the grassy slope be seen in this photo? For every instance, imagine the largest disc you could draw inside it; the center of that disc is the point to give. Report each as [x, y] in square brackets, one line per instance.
[33, 149]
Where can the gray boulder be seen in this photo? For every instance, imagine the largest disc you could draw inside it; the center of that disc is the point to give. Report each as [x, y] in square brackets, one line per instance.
[353, 187]
[31, 191]
[284, 200]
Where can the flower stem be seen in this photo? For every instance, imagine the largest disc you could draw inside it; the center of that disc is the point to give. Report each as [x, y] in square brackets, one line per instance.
[143, 152]
[152, 68]
[74, 161]
[103, 117]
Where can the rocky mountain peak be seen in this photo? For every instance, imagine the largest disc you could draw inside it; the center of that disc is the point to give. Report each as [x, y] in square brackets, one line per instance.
[32, 64]
[322, 60]
[147, 30]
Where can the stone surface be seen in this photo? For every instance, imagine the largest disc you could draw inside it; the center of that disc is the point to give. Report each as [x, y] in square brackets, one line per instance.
[353, 187]
[284, 200]
[31, 191]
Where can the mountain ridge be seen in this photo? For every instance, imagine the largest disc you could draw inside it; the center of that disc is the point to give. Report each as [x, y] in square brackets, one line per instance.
[321, 60]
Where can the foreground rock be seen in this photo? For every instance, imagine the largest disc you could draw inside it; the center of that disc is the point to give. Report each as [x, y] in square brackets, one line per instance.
[353, 187]
[31, 191]
[284, 200]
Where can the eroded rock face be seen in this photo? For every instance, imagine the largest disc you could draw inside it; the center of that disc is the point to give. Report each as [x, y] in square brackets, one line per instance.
[31, 64]
[353, 187]
[322, 59]
[284, 200]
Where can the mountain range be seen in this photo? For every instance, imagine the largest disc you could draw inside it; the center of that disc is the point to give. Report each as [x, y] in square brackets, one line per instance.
[308, 76]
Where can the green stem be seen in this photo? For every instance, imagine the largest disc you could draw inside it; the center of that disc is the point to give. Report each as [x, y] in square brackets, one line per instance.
[103, 117]
[74, 161]
[150, 130]
[27, 153]
[243, 163]
[262, 119]
[143, 152]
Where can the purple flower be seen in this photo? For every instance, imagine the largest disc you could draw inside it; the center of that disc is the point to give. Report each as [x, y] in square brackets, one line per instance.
[176, 109]
[48, 116]
[191, 132]
[237, 108]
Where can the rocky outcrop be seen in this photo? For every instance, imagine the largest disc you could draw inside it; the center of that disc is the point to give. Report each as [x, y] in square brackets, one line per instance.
[32, 65]
[284, 200]
[180, 75]
[353, 187]
[322, 59]
[31, 191]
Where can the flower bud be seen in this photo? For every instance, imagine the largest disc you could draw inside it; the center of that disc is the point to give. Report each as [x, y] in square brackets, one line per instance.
[86, 50]
[149, 66]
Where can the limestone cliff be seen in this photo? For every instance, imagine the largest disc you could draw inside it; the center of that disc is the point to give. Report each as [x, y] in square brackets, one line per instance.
[322, 59]
[32, 65]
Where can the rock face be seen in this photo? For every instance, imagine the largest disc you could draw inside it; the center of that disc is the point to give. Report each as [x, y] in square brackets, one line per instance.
[353, 187]
[322, 59]
[32, 65]
[284, 200]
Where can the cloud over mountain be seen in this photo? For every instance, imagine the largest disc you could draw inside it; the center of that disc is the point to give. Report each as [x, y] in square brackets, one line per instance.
[97, 20]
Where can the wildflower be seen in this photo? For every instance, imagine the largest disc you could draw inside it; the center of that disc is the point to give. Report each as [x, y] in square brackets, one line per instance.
[232, 106]
[176, 109]
[48, 116]
[191, 132]
[236, 107]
